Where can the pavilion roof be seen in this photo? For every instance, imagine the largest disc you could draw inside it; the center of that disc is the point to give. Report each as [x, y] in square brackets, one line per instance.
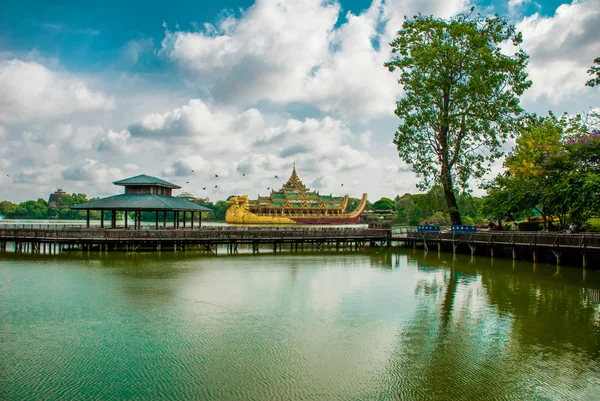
[142, 202]
[144, 179]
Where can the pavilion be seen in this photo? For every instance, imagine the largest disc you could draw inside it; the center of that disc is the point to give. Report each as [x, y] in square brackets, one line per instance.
[144, 193]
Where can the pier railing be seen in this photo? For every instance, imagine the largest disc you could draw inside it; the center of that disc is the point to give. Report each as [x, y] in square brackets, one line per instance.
[511, 238]
[220, 233]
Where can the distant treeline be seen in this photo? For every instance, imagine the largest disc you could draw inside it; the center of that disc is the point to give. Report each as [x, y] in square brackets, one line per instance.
[41, 209]
[410, 209]
[429, 207]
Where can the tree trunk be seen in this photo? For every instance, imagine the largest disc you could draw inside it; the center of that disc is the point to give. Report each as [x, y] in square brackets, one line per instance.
[450, 197]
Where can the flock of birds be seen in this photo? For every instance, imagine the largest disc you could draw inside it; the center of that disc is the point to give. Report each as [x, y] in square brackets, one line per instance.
[243, 174]
[216, 176]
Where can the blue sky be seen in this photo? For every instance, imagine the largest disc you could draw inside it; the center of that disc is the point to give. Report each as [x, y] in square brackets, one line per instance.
[90, 35]
[96, 91]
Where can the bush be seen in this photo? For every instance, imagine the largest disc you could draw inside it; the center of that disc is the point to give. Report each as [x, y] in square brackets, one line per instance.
[530, 225]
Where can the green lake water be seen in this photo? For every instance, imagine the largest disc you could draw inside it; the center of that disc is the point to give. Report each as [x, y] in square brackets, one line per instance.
[366, 325]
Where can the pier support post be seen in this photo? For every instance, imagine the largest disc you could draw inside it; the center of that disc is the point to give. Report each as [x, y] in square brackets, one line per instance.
[472, 247]
[584, 257]
[557, 254]
[514, 253]
[535, 259]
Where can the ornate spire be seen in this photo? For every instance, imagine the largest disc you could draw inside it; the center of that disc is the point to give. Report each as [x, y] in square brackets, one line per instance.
[294, 182]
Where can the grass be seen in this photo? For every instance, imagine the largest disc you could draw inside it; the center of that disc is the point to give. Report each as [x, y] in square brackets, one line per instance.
[594, 222]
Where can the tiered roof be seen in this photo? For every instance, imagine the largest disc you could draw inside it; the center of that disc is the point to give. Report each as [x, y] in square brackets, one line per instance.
[144, 180]
[294, 194]
[294, 183]
[142, 201]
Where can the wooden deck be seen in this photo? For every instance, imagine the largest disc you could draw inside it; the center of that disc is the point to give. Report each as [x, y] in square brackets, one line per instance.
[519, 245]
[534, 239]
[533, 243]
[127, 239]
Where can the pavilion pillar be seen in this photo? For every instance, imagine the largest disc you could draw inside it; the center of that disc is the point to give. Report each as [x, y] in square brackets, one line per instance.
[156, 228]
[113, 218]
[138, 219]
[175, 220]
[165, 219]
[101, 218]
[87, 224]
[200, 220]
[126, 217]
[192, 222]
[184, 216]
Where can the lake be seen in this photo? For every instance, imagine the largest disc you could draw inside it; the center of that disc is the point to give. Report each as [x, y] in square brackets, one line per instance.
[374, 324]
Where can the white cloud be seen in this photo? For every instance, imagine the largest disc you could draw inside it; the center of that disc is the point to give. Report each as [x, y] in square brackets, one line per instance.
[561, 47]
[116, 142]
[217, 129]
[31, 91]
[92, 171]
[292, 52]
[515, 5]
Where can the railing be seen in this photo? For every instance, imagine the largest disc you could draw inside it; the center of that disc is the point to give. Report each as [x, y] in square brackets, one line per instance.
[228, 233]
[516, 238]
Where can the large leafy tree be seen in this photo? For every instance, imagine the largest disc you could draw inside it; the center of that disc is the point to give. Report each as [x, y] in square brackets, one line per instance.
[461, 97]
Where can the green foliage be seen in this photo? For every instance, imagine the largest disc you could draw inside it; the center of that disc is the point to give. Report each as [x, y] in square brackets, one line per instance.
[39, 209]
[384, 204]
[461, 97]
[594, 71]
[353, 204]
[554, 169]
[7, 208]
[219, 210]
[32, 209]
[430, 207]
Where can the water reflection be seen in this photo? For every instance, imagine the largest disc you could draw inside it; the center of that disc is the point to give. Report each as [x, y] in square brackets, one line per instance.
[495, 333]
[308, 325]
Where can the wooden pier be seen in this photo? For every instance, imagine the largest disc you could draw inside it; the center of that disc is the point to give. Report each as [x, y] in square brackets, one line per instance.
[52, 240]
[518, 245]
[575, 249]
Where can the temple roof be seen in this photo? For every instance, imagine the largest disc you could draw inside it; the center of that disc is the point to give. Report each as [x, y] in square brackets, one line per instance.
[144, 179]
[294, 182]
[142, 202]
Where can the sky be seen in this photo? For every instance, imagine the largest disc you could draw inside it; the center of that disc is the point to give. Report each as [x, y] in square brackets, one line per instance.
[93, 92]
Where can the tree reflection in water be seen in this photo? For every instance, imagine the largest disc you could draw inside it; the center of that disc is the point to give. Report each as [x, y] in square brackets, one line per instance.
[488, 332]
